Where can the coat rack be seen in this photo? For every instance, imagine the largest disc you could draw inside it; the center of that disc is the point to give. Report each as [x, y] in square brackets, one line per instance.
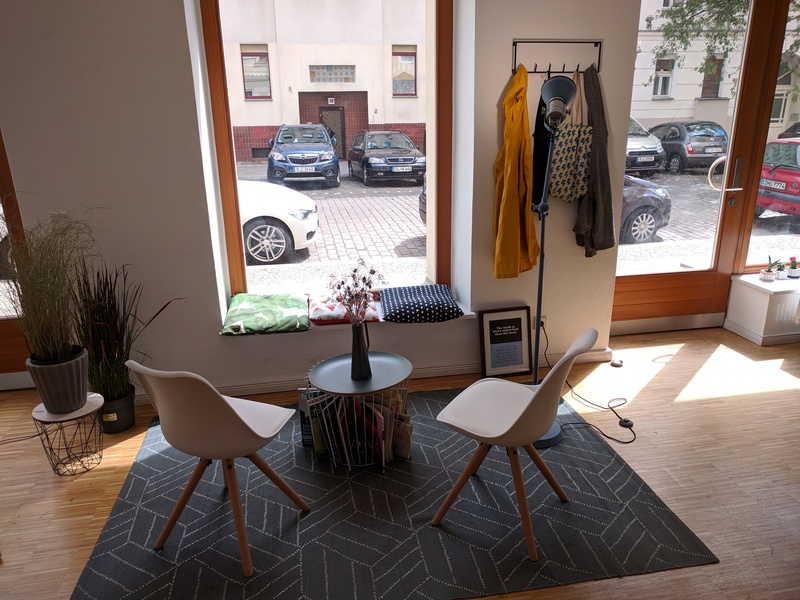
[553, 67]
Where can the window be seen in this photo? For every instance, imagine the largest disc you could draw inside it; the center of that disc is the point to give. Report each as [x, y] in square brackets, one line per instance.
[779, 103]
[712, 81]
[255, 71]
[662, 82]
[332, 73]
[404, 70]
[670, 3]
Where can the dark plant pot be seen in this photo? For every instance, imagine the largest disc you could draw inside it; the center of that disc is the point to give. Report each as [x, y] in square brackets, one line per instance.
[118, 415]
[62, 385]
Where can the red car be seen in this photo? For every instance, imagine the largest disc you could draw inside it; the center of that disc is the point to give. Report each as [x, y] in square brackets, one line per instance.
[779, 186]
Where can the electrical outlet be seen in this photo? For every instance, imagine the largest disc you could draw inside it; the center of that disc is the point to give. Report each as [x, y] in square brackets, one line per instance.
[543, 322]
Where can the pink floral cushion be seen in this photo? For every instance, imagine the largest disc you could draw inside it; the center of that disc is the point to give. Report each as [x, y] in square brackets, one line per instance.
[325, 311]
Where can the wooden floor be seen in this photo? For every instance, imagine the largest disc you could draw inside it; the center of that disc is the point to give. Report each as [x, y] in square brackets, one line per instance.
[718, 426]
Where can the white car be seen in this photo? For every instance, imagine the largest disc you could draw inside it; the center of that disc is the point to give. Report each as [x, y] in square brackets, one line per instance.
[276, 221]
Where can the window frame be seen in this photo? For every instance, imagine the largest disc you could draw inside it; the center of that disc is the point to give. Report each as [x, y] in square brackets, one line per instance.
[398, 53]
[253, 54]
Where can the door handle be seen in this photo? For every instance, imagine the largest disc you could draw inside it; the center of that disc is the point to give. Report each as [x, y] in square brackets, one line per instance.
[737, 171]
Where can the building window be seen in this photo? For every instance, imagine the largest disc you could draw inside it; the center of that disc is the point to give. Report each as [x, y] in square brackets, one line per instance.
[662, 81]
[404, 70]
[670, 3]
[779, 104]
[712, 82]
[332, 73]
[255, 71]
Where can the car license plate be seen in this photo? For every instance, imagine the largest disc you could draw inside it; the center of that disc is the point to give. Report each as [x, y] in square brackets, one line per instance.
[642, 159]
[304, 169]
[712, 149]
[775, 185]
[401, 169]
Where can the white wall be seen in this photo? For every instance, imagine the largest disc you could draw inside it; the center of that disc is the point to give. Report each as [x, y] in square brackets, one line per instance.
[578, 291]
[99, 109]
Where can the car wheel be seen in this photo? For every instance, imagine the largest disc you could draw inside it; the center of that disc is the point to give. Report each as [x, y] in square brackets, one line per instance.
[365, 176]
[266, 242]
[640, 227]
[336, 182]
[674, 164]
[646, 174]
[350, 171]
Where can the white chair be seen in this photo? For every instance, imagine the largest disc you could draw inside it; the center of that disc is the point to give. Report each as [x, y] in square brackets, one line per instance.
[498, 412]
[198, 420]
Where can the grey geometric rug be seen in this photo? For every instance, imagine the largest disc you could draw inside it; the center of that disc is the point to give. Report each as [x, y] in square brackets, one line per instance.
[368, 534]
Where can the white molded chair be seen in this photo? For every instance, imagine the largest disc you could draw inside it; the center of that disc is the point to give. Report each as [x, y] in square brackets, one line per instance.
[198, 420]
[498, 412]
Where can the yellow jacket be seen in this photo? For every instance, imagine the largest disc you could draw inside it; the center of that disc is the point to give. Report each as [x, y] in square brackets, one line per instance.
[515, 249]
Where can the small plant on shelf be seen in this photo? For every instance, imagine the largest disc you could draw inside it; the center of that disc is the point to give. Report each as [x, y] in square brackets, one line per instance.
[793, 271]
[770, 273]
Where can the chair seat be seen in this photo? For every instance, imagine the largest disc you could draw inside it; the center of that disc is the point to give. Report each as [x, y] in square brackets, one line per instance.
[487, 409]
[266, 420]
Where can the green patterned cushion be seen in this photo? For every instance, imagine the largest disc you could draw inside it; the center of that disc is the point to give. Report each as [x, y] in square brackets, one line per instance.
[275, 313]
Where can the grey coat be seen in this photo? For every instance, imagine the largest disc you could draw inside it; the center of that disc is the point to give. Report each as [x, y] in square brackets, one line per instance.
[594, 226]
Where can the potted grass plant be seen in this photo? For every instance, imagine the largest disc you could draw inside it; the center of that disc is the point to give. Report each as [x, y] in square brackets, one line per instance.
[108, 324]
[43, 270]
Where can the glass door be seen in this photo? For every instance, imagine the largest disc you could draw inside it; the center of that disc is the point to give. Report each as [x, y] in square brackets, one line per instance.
[704, 110]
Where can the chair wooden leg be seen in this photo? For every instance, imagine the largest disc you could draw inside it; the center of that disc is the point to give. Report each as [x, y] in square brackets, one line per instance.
[472, 466]
[540, 464]
[522, 500]
[278, 481]
[197, 474]
[229, 469]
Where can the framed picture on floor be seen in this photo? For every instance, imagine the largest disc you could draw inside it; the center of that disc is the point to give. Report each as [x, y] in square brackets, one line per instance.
[505, 341]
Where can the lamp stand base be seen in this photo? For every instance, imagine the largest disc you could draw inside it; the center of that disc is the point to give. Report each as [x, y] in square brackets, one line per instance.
[553, 436]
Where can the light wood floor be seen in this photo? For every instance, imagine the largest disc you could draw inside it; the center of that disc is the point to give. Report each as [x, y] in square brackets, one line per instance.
[718, 426]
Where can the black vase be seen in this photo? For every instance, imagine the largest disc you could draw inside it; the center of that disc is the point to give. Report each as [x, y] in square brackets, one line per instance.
[359, 362]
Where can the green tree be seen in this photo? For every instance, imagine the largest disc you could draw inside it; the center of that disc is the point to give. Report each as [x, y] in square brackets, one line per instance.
[720, 24]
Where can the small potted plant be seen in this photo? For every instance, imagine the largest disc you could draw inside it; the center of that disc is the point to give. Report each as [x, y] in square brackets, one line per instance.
[107, 325]
[780, 269]
[770, 273]
[793, 272]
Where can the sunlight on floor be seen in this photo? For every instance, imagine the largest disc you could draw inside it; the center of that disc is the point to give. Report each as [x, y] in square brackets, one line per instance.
[728, 373]
[640, 367]
[725, 373]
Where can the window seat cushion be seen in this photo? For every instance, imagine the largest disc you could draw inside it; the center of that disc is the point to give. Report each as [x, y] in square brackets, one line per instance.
[419, 304]
[327, 311]
[274, 313]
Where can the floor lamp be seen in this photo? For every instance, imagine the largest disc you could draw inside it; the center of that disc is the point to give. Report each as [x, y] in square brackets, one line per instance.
[557, 93]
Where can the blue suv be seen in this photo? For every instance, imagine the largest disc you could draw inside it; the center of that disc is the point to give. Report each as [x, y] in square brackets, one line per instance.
[303, 152]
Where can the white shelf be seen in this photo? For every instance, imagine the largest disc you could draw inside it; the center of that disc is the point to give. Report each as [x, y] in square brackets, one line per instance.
[764, 312]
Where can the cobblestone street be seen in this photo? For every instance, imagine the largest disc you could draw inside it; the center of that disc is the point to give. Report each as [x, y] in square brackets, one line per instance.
[379, 223]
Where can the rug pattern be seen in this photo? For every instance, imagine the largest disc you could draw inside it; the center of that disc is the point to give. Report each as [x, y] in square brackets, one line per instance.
[368, 534]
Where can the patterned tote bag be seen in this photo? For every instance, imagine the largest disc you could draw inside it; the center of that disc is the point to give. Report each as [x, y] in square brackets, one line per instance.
[569, 170]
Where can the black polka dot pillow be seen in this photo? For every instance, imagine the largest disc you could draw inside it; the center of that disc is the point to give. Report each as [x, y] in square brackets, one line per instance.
[419, 304]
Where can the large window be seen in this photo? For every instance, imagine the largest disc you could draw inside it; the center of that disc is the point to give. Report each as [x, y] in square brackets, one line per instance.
[255, 70]
[404, 70]
[313, 82]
